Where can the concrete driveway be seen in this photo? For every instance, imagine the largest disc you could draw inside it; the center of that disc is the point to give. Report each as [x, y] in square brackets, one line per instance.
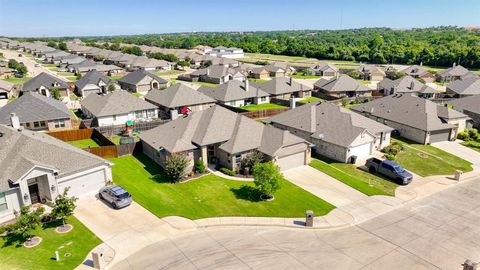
[126, 230]
[437, 232]
[455, 148]
[323, 186]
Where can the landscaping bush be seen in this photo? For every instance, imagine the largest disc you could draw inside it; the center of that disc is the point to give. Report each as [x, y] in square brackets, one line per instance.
[200, 166]
[390, 157]
[473, 133]
[63, 206]
[227, 171]
[176, 167]
[392, 150]
[464, 136]
[251, 159]
[345, 101]
[469, 135]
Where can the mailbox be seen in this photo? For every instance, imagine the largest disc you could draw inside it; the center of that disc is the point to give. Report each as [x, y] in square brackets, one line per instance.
[309, 218]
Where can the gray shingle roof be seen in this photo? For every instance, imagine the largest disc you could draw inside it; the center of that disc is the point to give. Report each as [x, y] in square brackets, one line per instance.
[415, 70]
[31, 107]
[92, 77]
[234, 132]
[324, 66]
[456, 71]
[46, 80]
[411, 111]
[282, 85]
[114, 103]
[215, 71]
[329, 122]
[177, 95]
[471, 104]
[406, 84]
[136, 76]
[371, 69]
[467, 86]
[21, 151]
[232, 90]
[6, 86]
[343, 83]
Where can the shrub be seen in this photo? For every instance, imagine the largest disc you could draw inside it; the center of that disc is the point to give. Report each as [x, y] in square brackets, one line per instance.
[345, 101]
[27, 221]
[473, 133]
[251, 159]
[392, 150]
[63, 206]
[390, 157]
[267, 177]
[463, 136]
[176, 167]
[227, 171]
[355, 74]
[200, 166]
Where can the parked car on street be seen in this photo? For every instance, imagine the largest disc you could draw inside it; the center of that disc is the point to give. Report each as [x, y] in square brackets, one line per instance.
[116, 196]
[389, 169]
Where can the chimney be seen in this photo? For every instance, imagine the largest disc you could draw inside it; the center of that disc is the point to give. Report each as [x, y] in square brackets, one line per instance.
[454, 64]
[15, 121]
[292, 102]
[372, 110]
[246, 85]
[336, 75]
[412, 85]
[208, 71]
[173, 114]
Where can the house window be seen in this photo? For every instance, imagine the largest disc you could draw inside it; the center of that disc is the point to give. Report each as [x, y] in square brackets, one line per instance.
[59, 123]
[151, 113]
[263, 99]
[36, 124]
[139, 114]
[114, 118]
[238, 159]
[3, 202]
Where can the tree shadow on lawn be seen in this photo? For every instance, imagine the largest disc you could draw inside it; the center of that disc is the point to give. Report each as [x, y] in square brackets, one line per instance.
[13, 239]
[158, 175]
[247, 193]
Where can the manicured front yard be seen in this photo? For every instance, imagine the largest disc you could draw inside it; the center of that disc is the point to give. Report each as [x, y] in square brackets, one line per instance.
[304, 76]
[208, 196]
[116, 77]
[84, 143]
[309, 100]
[170, 72]
[426, 160]
[77, 243]
[264, 106]
[350, 175]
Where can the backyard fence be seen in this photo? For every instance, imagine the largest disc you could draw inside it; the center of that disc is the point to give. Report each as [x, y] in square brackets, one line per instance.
[264, 113]
[72, 135]
[137, 126]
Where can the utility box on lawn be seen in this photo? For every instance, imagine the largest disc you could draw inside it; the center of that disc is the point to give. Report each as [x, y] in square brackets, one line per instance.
[309, 218]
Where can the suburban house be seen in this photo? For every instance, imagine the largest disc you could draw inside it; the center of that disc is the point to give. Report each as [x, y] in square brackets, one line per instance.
[179, 99]
[323, 69]
[419, 73]
[469, 106]
[236, 93]
[406, 84]
[93, 82]
[456, 72]
[335, 132]
[142, 81]
[37, 112]
[285, 88]
[49, 57]
[221, 137]
[342, 86]
[279, 69]
[6, 91]
[371, 72]
[43, 84]
[37, 167]
[221, 51]
[83, 67]
[224, 62]
[214, 74]
[116, 108]
[417, 119]
[142, 62]
[4, 71]
[465, 87]
[259, 73]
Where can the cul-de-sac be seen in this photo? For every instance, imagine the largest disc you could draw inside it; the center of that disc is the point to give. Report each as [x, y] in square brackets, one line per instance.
[239, 135]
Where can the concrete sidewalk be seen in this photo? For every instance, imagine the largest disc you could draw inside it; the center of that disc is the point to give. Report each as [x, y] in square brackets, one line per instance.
[323, 186]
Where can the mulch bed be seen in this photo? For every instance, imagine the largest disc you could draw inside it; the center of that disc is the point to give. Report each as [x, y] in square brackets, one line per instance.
[267, 198]
[32, 242]
[64, 228]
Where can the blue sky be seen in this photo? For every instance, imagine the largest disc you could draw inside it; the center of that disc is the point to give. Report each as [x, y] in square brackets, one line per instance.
[110, 17]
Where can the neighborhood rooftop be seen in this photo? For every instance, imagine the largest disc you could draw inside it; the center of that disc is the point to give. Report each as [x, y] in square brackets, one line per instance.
[115, 103]
[177, 95]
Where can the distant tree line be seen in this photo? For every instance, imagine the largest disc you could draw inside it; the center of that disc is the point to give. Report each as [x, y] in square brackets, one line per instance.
[436, 46]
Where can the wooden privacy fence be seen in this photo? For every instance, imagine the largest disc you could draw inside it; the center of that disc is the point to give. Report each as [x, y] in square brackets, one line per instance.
[140, 126]
[264, 113]
[72, 135]
[113, 151]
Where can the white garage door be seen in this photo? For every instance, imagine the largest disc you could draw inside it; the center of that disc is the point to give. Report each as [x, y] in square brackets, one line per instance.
[85, 184]
[361, 151]
[291, 161]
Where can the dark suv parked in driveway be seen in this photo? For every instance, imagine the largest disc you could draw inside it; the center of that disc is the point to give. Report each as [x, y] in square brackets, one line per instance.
[116, 196]
[389, 169]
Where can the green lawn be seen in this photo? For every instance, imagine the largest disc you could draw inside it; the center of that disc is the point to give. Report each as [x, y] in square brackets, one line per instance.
[49, 65]
[116, 139]
[77, 242]
[309, 100]
[16, 80]
[84, 143]
[66, 74]
[208, 196]
[303, 76]
[206, 84]
[475, 145]
[257, 80]
[170, 72]
[264, 106]
[350, 175]
[116, 77]
[426, 160]
[72, 78]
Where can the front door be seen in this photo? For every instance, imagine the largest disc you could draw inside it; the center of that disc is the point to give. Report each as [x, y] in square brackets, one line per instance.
[34, 194]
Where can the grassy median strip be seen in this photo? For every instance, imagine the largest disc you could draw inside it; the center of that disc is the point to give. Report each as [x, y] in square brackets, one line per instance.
[367, 183]
[427, 160]
[208, 196]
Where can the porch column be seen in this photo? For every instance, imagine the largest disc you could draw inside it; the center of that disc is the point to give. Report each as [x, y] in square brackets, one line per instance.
[204, 154]
[25, 200]
[52, 184]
